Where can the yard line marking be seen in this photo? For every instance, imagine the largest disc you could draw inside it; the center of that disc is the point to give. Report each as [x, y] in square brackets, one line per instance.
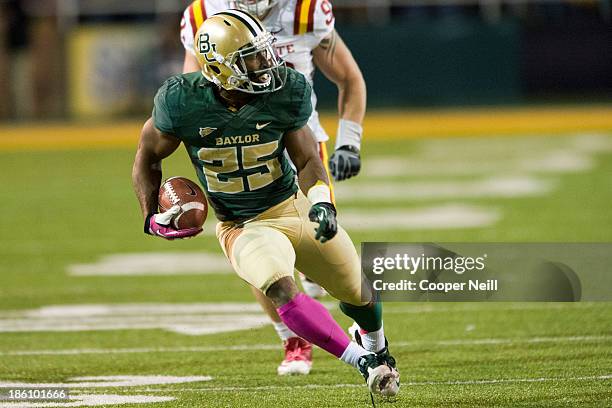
[106, 381]
[137, 309]
[183, 324]
[592, 142]
[604, 377]
[93, 400]
[469, 156]
[263, 347]
[520, 145]
[184, 318]
[532, 340]
[79, 399]
[553, 162]
[190, 319]
[433, 307]
[490, 187]
[147, 263]
[445, 216]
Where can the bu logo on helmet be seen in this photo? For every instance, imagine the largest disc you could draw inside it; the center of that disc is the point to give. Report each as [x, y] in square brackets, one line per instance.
[204, 46]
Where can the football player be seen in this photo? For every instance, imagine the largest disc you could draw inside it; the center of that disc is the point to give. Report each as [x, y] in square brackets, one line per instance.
[305, 38]
[236, 118]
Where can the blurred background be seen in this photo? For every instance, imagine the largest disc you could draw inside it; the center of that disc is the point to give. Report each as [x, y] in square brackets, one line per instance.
[100, 59]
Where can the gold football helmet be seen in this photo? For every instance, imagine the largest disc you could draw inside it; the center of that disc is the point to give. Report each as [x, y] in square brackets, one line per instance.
[236, 52]
[257, 8]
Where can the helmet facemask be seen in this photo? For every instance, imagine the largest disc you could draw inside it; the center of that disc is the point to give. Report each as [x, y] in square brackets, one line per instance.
[236, 52]
[258, 8]
[256, 67]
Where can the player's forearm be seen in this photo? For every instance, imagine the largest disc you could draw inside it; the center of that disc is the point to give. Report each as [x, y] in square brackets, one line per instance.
[153, 147]
[352, 98]
[312, 173]
[146, 179]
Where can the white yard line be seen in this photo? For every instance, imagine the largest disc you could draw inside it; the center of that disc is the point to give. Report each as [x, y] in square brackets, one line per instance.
[152, 263]
[514, 147]
[444, 216]
[93, 400]
[548, 162]
[489, 187]
[106, 381]
[604, 377]
[433, 307]
[190, 318]
[260, 347]
[463, 157]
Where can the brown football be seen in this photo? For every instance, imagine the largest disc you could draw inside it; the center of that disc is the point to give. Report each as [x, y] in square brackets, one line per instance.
[184, 192]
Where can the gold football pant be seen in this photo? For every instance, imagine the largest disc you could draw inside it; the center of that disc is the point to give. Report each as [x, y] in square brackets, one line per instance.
[270, 246]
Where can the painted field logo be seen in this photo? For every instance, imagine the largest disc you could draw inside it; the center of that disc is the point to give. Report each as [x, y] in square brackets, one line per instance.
[77, 399]
[183, 318]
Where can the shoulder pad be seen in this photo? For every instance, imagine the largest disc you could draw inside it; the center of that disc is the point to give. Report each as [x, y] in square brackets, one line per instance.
[313, 16]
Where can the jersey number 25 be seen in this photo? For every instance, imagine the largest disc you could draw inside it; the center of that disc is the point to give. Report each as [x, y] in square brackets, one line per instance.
[219, 163]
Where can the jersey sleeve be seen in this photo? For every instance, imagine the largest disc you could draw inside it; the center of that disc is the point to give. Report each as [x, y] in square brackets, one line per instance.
[324, 19]
[162, 114]
[300, 102]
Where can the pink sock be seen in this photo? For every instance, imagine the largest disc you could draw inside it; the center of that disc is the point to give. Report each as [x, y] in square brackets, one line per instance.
[311, 321]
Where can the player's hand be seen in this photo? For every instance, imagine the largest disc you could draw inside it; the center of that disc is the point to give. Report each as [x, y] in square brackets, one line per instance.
[324, 214]
[345, 163]
[159, 225]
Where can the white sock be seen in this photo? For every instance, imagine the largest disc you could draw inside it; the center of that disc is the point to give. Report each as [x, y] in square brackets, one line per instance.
[373, 341]
[352, 353]
[283, 331]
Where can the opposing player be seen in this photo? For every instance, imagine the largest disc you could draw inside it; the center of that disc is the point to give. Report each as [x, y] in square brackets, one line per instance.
[305, 38]
[235, 119]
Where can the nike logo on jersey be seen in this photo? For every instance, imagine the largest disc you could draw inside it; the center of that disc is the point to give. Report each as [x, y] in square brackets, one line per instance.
[261, 126]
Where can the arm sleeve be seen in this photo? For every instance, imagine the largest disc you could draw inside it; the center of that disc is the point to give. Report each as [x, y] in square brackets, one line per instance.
[324, 20]
[162, 118]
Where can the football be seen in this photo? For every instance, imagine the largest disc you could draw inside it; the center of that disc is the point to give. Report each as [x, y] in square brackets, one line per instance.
[184, 192]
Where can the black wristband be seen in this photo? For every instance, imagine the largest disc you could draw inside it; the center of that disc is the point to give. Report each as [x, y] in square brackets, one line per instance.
[147, 224]
[329, 206]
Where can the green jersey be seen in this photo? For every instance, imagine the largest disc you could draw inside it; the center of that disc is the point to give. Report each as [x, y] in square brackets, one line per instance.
[238, 156]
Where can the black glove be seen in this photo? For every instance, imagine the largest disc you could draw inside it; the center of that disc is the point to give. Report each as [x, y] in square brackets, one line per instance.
[325, 215]
[345, 163]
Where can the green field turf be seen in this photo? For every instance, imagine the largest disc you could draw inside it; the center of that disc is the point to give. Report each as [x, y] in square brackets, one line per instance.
[62, 208]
